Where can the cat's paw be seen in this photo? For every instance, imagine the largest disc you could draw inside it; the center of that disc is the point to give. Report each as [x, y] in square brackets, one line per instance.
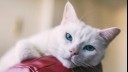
[26, 51]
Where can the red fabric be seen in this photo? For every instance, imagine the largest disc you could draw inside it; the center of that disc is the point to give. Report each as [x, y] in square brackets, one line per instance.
[48, 64]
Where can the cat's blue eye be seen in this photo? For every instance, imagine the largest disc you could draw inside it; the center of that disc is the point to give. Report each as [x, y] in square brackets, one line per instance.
[89, 48]
[68, 37]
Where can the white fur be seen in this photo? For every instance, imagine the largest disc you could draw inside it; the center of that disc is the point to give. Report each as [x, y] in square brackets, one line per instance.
[53, 42]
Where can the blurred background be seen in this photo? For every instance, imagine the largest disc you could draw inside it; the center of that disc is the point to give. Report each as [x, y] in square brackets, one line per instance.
[23, 18]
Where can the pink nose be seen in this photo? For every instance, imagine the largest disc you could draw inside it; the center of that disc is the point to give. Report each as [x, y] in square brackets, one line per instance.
[73, 52]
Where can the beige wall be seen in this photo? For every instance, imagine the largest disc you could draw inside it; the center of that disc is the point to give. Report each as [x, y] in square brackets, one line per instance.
[115, 14]
[22, 18]
[13, 14]
[116, 58]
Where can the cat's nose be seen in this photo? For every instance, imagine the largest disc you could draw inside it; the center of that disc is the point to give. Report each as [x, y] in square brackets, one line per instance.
[73, 52]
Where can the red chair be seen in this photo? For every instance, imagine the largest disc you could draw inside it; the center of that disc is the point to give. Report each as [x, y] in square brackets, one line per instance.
[49, 64]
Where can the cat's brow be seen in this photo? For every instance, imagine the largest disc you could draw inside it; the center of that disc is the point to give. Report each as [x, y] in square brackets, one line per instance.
[81, 32]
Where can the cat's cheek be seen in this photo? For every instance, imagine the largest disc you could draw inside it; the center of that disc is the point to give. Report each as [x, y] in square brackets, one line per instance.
[64, 52]
[66, 55]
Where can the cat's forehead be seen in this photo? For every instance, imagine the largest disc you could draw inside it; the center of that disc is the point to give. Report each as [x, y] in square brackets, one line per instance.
[86, 33]
[74, 26]
[79, 27]
[79, 30]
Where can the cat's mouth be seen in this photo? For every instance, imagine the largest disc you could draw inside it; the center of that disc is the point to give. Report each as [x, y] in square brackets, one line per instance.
[77, 61]
[74, 59]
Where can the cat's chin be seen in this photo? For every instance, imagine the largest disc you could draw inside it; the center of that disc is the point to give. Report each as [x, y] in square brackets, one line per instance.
[69, 64]
[66, 62]
[76, 62]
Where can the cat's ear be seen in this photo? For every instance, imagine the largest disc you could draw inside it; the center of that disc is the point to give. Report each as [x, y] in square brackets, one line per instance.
[110, 33]
[69, 12]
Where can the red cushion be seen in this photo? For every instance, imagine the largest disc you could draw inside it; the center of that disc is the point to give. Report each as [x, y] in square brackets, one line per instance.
[48, 64]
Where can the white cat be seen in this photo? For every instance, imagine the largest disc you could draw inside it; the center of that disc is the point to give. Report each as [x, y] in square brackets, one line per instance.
[73, 43]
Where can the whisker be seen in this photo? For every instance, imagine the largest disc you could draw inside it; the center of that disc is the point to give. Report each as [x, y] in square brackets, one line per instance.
[92, 68]
[80, 69]
[72, 70]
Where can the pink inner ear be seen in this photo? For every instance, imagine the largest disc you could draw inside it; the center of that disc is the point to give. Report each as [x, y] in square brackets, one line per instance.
[109, 34]
[69, 12]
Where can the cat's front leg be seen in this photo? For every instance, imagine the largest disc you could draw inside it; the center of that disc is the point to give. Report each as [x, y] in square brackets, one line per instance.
[26, 51]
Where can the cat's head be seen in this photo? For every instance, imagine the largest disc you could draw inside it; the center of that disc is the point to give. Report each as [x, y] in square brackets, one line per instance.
[79, 43]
